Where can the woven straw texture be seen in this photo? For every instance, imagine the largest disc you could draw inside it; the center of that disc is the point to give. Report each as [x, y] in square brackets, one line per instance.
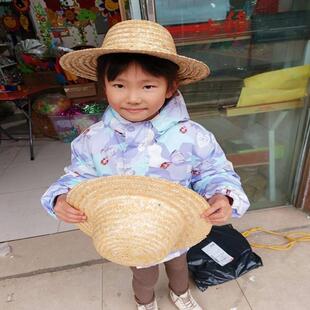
[136, 220]
[135, 36]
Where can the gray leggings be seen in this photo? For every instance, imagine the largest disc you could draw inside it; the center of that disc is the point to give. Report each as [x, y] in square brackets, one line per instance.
[144, 279]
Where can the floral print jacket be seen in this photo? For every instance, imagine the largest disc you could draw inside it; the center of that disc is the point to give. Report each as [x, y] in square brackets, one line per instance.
[169, 146]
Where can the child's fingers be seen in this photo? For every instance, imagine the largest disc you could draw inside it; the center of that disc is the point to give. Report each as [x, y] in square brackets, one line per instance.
[64, 206]
[71, 218]
[220, 216]
[217, 214]
[73, 211]
[74, 214]
[67, 213]
[74, 219]
[217, 217]
[213, 209]
[217, 222]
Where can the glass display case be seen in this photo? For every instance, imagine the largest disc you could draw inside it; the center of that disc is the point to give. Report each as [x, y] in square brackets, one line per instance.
[240, 40]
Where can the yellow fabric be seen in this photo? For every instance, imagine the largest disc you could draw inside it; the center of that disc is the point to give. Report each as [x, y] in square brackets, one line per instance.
[70, 76]
[291, 238]
[275, 86]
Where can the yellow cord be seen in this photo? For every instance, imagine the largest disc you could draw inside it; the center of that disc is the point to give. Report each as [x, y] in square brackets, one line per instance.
[291, 237]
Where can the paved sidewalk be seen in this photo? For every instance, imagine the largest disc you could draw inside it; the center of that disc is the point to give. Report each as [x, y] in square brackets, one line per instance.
[63, 272]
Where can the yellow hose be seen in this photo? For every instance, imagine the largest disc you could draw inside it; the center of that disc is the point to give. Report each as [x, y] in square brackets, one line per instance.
[291, 238]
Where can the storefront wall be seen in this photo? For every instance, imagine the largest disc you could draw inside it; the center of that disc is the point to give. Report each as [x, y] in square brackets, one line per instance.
[263, 136]
[261, 121]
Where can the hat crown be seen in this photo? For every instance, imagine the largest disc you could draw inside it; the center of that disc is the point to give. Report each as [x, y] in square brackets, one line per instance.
[138, 35]
[139, 220]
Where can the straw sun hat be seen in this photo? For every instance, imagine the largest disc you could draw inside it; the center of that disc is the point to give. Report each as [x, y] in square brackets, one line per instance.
[135, 36]
[137, 220]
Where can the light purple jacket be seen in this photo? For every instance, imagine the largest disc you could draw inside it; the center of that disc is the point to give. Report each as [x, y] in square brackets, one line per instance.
[170, 146]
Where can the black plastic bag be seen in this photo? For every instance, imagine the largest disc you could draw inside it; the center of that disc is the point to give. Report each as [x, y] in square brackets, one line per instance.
[238, 259]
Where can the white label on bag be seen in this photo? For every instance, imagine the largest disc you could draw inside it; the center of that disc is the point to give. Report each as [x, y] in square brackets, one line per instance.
[217, 254]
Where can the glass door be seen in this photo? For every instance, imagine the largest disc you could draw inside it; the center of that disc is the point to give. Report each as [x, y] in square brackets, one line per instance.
[255, 100]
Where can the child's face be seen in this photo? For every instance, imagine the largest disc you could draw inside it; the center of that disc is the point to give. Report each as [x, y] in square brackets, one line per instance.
[137, 95]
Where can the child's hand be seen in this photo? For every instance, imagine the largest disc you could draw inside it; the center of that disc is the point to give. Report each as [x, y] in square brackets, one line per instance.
[66, 213]
[220, 209]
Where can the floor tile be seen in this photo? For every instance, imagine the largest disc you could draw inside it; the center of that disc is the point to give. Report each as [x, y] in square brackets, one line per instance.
[45, 149]
[283, 282]
[8, 152]
[226, 296]
[117, 292]
[2, 170]
[116, 284]
[22, 216]
[62, 227]
[78, 289]
[210, 299]
[30, 175]
[46, 252]
[278, 218]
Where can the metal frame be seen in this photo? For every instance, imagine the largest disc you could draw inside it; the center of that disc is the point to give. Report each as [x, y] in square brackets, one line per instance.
[303, 198]
[151, 10]
[28, 117]
[143, 9]
[20, 103]
[122, 10]
[272, 154]
[135, 9]
[301, 189]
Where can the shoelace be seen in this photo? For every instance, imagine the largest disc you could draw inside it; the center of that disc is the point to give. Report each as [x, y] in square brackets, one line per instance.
[187, 301]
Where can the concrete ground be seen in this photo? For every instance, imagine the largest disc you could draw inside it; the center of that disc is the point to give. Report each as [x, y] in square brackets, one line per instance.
[63, 272]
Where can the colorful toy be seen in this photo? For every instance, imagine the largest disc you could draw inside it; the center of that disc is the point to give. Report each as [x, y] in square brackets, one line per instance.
[82, 122]
[24, 22]
[21, 6]
[64, 128]
[52, 104]
[10, 22]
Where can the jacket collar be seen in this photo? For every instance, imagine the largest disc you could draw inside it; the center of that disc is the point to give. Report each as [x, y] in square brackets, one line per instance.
[173, 112]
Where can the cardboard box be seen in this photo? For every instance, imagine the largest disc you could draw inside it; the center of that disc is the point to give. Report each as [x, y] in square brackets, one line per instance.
[35, 78]
[80, 90]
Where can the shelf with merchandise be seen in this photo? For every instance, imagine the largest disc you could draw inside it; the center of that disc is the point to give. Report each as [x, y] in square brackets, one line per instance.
[231, 29]
[8, 74]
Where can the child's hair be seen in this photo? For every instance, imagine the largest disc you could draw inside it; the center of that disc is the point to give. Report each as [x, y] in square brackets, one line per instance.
[111, 65]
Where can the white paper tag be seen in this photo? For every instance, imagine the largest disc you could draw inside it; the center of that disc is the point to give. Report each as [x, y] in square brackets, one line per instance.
[217, 254]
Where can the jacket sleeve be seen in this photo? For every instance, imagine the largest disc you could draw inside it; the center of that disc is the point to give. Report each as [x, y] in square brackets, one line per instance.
[80, 169]
[212, 173]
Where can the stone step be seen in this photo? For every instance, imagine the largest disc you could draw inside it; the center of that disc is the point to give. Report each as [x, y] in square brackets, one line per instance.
[60, 251]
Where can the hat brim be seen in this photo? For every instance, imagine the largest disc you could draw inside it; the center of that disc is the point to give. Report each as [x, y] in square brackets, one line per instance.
[137, 220]
[83, 63]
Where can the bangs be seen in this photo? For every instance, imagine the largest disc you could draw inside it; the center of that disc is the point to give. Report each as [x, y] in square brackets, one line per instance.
[112, 65]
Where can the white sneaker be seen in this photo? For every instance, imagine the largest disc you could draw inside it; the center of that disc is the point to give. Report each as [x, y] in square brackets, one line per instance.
[150, 306]
[185, 301]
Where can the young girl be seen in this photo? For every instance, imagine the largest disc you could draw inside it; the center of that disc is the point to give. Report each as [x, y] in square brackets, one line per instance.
[146, 130]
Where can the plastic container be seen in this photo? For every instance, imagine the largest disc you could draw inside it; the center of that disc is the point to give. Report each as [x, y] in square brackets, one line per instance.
[42, 125]
[69, 127]
[64, 127]
[83, 121]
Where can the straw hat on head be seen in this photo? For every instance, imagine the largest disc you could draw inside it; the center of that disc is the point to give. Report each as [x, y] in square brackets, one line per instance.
[135, 36]
[137, 220]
